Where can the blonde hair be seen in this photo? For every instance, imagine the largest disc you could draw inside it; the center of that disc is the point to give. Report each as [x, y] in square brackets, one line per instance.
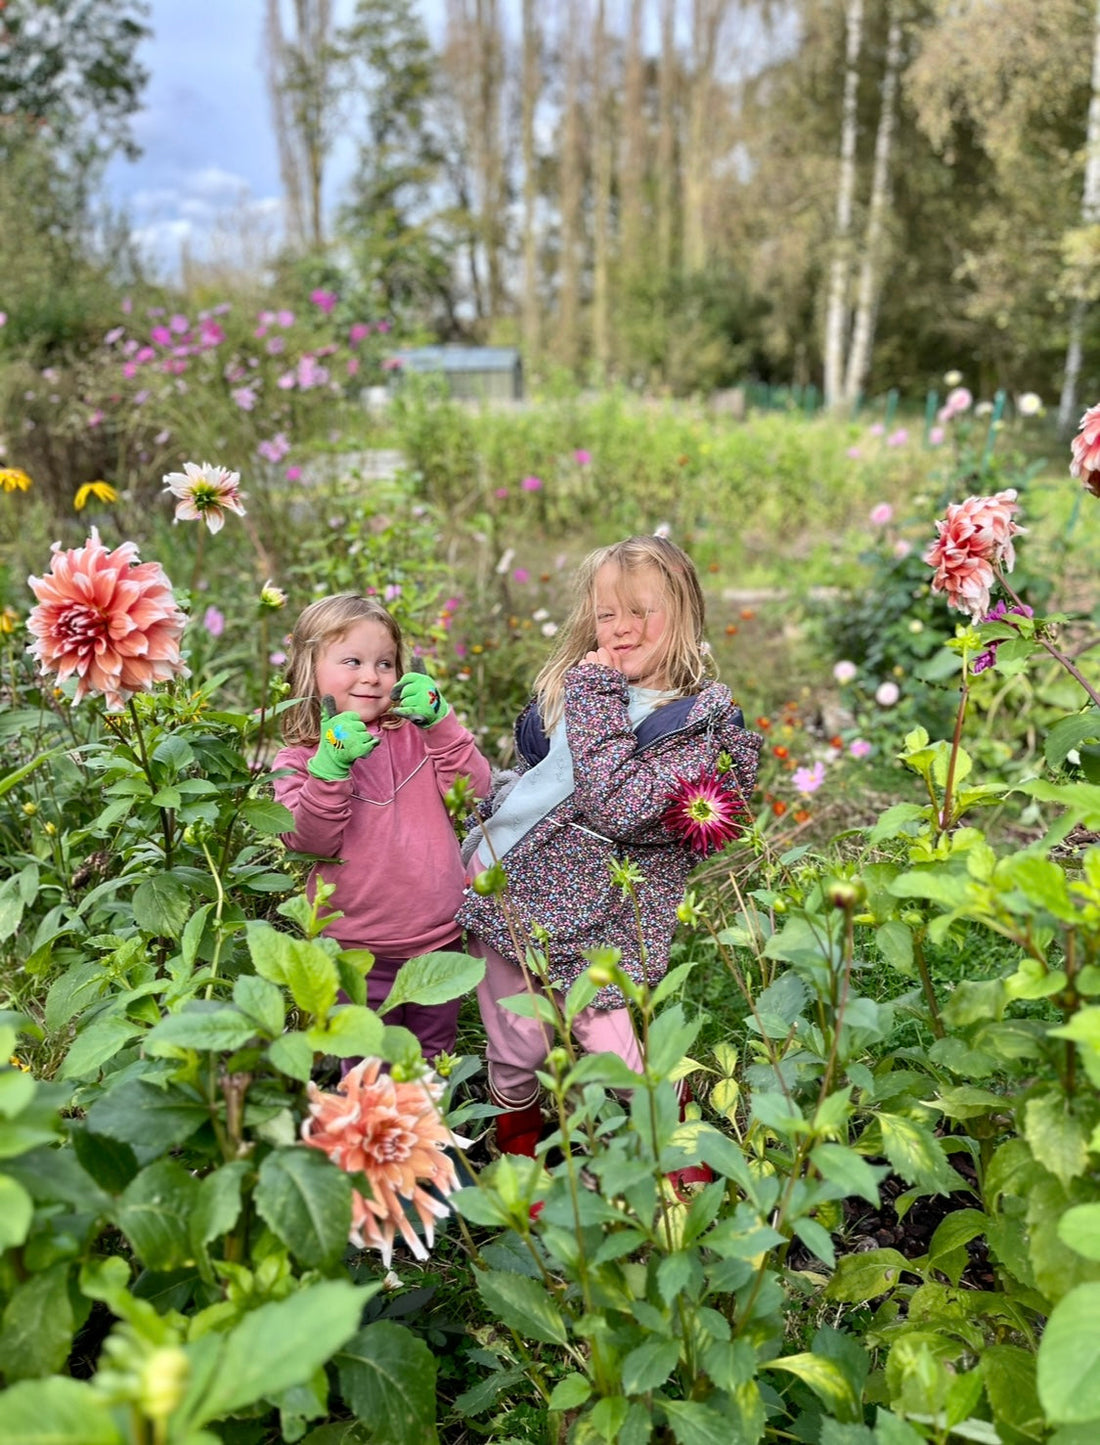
[322, 622]
[684, 660]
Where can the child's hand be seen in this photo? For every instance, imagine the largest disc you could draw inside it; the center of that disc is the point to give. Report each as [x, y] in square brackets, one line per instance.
[419, 699]
[603, 658]
[344, 738]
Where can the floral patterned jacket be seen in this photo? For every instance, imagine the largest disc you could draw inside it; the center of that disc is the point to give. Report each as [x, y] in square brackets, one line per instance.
[558, 874]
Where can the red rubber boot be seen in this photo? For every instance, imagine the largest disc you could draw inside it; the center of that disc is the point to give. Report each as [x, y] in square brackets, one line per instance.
[689, 1180]
[518, 1130]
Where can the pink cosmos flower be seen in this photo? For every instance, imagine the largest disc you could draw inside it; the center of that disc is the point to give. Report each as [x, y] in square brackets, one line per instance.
[214, 621]
[391, 592]
[898, 438]
[275, 345]
[206, 493]
[973, 536]
[116, 333]
[936, 436]
[704, 814]
[581, 457]
[277, 659]
[881, 514]
[859, 747]
[107, 619]
[245, 397]
[853, 454]
[393, 1134]
[887, 694]
[294, 474]
[1000, 612]
[902, 548]
[500, 493]
[1086, 451]
[284, 318]
[274, 449]
[531, 484]
[808, 780]
[324, 300]
[845, 672]
[161, 335]
[357, 331]
[877, 429]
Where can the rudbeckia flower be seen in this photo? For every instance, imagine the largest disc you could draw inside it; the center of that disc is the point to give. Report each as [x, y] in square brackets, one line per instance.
[102, 491]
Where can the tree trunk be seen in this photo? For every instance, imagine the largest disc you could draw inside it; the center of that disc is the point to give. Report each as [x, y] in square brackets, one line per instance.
[301, 81]
[632, 166]
[601, 197]
[837, 310]
[863, 330]
[531, 73]
[708, 17]
[571, 194]
[489, 52]
[666, 138]
[1090, 215]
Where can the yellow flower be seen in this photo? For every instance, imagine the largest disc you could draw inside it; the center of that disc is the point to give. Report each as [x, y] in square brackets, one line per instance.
[102, 492]
[14, 479]
[271, 597]
[9, 620]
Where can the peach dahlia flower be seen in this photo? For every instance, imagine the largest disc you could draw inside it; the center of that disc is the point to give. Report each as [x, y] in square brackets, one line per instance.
[107, 619]
[1086, 451]
[973, 536]
[394, 1134]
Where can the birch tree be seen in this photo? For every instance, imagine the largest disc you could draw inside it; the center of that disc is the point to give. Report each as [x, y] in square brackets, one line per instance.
[870, 269]
[1090, 215]
[571, 193]
[303, 74]
[601, 194]
[708, 18]
[837, 307]
[531, 71]
[633, 147]
[666, 137]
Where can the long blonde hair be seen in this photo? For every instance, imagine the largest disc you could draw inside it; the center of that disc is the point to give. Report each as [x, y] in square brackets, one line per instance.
[322, 622]
[685, 658]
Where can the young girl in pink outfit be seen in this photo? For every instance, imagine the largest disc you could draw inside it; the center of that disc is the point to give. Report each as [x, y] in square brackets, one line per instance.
[365, 778]
[625, 712]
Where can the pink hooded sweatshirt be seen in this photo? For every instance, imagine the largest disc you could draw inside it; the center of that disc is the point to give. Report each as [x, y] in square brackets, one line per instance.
[396, 862]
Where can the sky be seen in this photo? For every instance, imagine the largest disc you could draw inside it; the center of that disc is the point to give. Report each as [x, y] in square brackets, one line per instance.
[209, 168]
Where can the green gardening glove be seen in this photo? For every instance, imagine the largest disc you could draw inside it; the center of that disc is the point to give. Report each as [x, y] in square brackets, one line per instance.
[344, 738]
[419, 699]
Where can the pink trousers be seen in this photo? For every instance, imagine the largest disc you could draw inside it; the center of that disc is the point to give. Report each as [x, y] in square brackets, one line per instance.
[516, 1047]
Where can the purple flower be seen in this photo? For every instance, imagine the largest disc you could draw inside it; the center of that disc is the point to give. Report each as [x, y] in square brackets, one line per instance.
[500, 493]
[245, 397]
[116, 333]
[581, 457]
[531, 484]
[284, 318]
[277, 659]
[275, 344]
[876, 430]
[936, 436]
[274, 449]
[881, 514]
[521, 574]
[859, 747]
[294, 474]
[853, 454]
[324, 300]
[214, 621]
[179, 324]
[898, 438]
[392, 592]
[999, 612]
[357, 331]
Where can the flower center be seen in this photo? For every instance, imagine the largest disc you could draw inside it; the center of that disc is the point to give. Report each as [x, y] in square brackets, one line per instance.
[702, 810]
[388, 1140]
[82, 626]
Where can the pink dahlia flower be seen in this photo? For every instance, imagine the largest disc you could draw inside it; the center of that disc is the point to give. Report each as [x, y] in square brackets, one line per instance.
[1086, 451]
[206, 493]
[108, 619]
[973, 536]
[704, 814]
[395, 1135]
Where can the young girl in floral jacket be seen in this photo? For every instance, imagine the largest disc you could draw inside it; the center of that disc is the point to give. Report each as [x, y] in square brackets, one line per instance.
[625, 730]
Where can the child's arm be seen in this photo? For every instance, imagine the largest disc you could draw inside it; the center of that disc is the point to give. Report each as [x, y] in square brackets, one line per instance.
[454, 753]
[321, 808]
[616, 787]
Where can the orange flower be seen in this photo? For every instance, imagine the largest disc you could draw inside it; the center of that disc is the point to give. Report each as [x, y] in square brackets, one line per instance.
[763, 723]
[395, 1135]
[747, 614]
[731, 629]
[779, 807]
[802, 815]
[780, 751]
[107, 618]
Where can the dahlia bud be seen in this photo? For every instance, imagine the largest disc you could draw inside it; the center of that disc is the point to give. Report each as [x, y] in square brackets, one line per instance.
[846, 893]
[271, 597]
[163, 1380]
[30, 809]
[492, 880]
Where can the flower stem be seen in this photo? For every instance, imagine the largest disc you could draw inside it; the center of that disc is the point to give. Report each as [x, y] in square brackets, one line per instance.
[956, 742]
[1055, 652]
[165, 813]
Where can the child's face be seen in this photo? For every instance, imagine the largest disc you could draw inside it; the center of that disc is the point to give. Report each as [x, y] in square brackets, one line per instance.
[358, 669]
[631, 622]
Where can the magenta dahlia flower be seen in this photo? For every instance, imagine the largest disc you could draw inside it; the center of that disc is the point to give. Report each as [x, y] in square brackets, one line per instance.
[704, 814]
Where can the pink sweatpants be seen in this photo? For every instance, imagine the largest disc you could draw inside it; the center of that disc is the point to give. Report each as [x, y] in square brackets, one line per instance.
[516, 1047]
